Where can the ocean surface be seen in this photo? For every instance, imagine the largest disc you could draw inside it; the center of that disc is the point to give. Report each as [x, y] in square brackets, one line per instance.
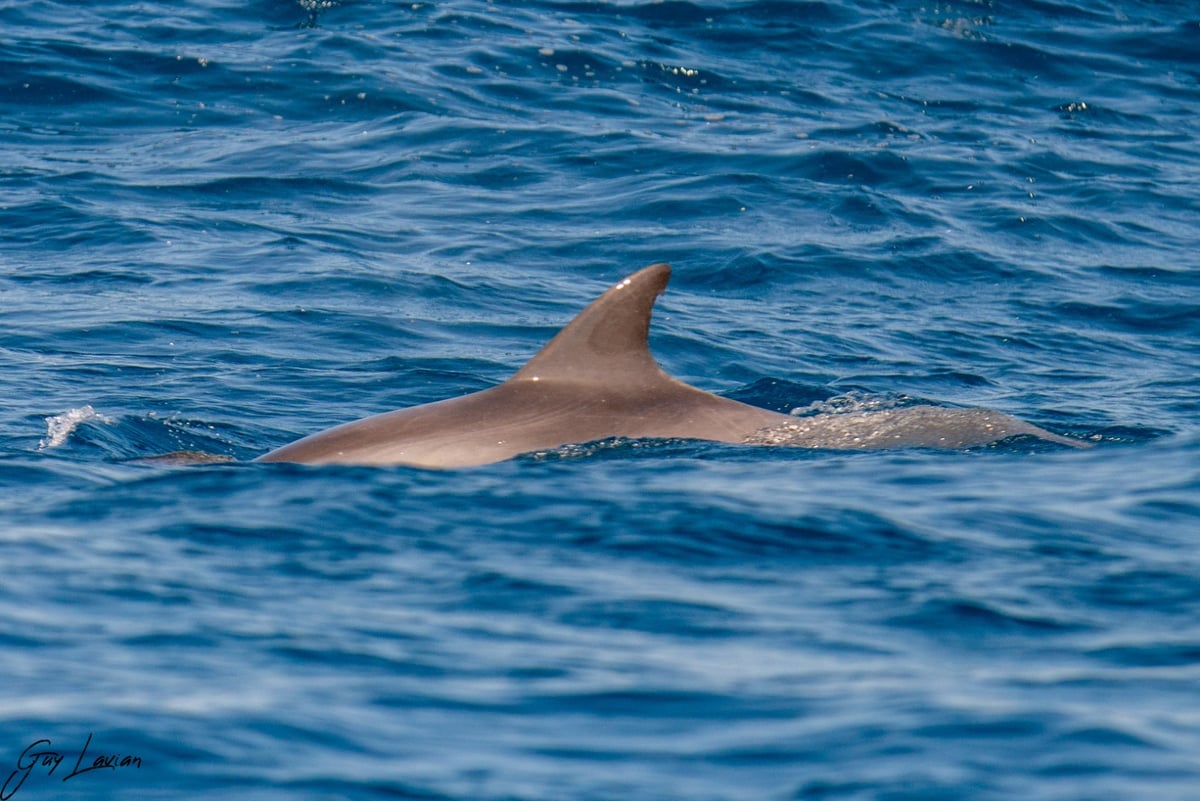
[225, 225]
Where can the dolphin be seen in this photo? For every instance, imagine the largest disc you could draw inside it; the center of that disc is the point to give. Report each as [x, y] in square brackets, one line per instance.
[596, 379]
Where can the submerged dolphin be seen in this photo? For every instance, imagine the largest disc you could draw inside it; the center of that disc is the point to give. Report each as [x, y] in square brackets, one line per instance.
[596, 379]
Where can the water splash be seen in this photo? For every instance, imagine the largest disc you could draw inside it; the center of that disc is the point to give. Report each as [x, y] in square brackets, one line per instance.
[60, 426]
[853, 401]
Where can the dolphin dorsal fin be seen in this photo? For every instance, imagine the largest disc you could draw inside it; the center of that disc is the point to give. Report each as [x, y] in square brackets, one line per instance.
[607, 343]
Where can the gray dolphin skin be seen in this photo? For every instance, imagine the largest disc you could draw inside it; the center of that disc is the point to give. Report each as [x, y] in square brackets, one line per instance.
[596, 379]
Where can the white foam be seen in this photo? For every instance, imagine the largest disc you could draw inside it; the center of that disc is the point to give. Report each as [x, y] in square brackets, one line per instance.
[60, 426]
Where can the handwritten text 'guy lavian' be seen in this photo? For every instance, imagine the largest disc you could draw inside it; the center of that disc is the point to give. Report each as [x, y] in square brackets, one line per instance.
[38, 756]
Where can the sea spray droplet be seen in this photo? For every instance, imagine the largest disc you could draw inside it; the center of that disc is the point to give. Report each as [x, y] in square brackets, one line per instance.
[60, 426]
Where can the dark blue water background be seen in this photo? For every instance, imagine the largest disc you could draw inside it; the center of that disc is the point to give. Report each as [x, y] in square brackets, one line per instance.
[226, 225]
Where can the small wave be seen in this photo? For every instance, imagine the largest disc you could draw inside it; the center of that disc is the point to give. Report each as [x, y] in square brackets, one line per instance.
[60, 426]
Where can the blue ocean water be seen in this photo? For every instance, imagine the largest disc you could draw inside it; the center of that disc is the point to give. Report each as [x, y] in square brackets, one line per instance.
[227, 225]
